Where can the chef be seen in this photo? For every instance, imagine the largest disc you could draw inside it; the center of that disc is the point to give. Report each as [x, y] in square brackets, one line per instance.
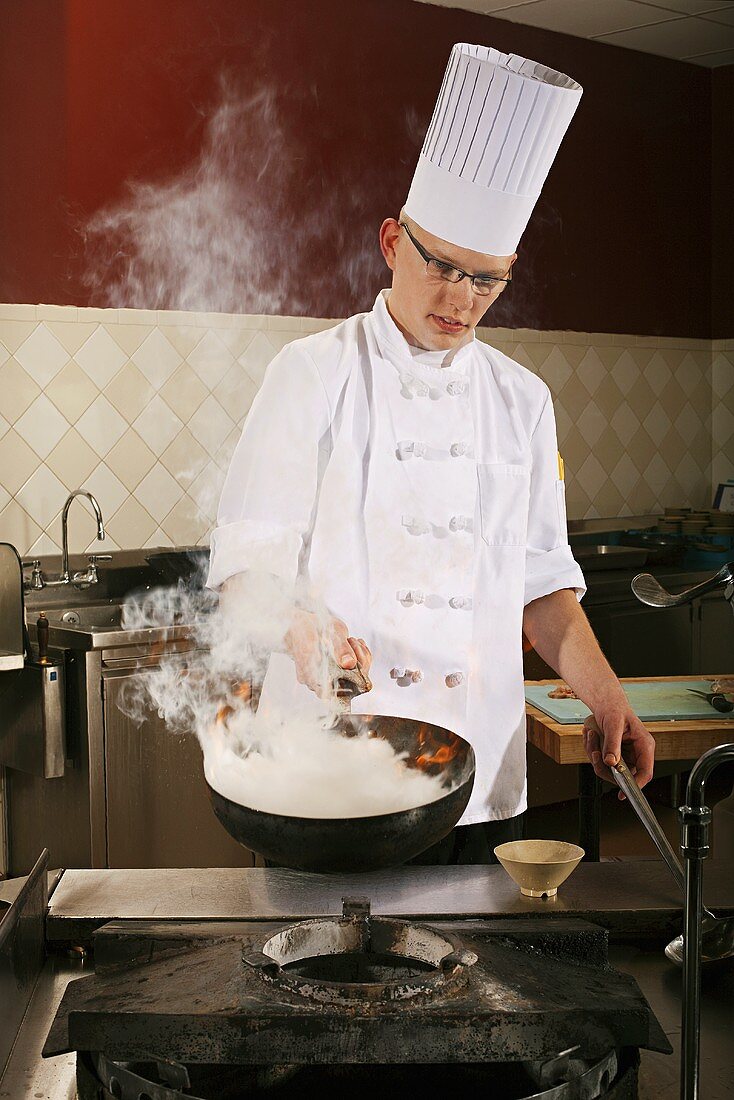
[407, 475]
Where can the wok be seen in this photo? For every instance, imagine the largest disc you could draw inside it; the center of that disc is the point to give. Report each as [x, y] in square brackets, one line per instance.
[363, 843]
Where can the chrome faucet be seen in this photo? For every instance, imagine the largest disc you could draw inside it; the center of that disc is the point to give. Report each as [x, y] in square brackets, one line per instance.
[87, 576]
[65, 578]
[695, 818]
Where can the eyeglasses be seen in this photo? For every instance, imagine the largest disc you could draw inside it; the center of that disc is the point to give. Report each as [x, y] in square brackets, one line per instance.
[439, 269]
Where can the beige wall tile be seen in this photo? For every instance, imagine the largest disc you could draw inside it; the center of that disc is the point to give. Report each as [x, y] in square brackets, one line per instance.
[17, 311]
[185, 458]
[72, 391]
[88, 314]
[158, 492]
[42, 425]
[184, 338]
[42, 496]
[57, 313]
[130, 459]
[72, 460]
[643, 421]
[157, 425]
[184, 392]
[17, 461]
[71, 334]
[129, 337]
[184, 524]
[17, 527]
[42, 355]
[132, 525]
[17, 390]
[129, 392]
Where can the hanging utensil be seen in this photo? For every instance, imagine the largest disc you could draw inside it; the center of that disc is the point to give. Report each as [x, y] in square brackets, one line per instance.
[651, 592]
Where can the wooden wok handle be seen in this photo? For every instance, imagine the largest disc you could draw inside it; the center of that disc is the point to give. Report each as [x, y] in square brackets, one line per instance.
[347, 683]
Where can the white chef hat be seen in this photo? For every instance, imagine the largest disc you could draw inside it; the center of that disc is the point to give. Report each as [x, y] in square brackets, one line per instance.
[496, 128]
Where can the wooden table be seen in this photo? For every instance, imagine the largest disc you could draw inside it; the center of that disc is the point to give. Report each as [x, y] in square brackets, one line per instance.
[684, 739]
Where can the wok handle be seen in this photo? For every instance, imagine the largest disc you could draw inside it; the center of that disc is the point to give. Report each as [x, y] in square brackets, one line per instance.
[346, 684]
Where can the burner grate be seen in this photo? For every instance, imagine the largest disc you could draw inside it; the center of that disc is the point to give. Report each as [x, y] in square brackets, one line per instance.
[362, 959]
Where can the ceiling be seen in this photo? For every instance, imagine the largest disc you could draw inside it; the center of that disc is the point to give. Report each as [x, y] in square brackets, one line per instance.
[698, 31]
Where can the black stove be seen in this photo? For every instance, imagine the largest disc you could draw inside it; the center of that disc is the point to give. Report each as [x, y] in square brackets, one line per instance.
[353, 1006]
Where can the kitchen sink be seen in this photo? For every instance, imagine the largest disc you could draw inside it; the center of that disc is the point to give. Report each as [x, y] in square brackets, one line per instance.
[95, 626]
[88, 617]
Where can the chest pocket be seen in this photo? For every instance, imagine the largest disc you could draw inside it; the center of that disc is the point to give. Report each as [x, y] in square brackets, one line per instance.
[504, 500]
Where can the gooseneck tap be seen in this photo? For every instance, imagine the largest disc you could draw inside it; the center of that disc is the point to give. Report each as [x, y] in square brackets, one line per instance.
[65, 578]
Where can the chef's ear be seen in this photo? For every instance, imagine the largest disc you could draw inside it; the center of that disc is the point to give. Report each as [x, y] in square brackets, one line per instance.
[389, 234]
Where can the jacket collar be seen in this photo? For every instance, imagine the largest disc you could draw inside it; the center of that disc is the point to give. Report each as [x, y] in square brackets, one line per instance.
[395, 347]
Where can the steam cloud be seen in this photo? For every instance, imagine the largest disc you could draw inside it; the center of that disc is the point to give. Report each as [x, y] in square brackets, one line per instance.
[292, 764]
[223, 235]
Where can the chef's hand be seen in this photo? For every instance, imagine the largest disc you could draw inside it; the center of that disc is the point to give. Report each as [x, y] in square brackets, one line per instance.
[308, 639]
[613, 731]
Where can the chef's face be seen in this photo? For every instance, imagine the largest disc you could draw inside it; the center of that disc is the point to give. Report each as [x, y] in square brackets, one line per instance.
[431, 312]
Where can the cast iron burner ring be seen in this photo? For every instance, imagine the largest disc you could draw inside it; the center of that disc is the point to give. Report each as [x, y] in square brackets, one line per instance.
[362, 959]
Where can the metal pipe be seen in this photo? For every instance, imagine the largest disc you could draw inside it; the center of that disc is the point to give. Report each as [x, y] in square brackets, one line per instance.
[695, 819]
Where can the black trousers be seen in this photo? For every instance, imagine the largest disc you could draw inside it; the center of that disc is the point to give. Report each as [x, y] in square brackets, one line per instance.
[471, 844]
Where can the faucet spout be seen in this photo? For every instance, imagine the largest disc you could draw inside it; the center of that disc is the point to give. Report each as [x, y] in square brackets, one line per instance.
[65, 576]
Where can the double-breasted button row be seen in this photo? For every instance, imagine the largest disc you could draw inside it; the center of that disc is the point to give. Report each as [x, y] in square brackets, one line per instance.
[414, 448]
[415, 676]
[416, 387]
[418, 526]
[409, 597]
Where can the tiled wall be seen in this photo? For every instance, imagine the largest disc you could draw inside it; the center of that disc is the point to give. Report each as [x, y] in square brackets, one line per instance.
[144, 409]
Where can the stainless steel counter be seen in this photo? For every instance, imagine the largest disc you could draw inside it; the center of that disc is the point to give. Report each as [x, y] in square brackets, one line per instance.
[641, 893]
[28, 1076]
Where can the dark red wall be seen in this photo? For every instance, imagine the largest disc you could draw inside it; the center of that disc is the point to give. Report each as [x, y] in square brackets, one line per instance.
[94, 94]
[722, 190]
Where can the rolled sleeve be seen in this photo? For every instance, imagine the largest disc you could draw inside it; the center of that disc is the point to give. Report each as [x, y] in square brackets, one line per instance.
[270, 491]
[549, 563]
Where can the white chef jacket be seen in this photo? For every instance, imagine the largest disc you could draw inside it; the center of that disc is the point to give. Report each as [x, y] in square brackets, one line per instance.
[417, 493]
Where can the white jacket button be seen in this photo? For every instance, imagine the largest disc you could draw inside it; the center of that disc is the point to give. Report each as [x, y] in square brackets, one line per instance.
[459, 449]
[461, 523]
[454, 679]
[455, 389]
[415, 526]
[405, 448]
[397, 673]
[460, 602]
[409, 596]
[416, 676]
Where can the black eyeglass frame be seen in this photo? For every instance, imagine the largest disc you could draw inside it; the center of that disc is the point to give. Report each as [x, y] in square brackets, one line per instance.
[494, 280]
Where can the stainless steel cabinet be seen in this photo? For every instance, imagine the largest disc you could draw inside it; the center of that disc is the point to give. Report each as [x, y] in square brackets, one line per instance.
[158, 811]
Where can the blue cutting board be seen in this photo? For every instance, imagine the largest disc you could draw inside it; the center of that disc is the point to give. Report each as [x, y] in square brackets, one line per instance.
[652, 702]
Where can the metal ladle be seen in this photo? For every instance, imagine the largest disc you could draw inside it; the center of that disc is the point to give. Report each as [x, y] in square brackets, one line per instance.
[651, 592]
[717, 939]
